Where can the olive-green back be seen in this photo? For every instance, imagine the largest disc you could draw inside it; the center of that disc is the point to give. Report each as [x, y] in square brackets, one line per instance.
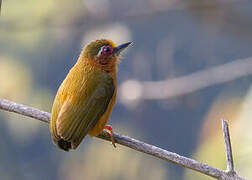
[81, 100]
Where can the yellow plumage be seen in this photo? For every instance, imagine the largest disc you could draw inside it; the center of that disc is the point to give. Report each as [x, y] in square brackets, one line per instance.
[86, 97]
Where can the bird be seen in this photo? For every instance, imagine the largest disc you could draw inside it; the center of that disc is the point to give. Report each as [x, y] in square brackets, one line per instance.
[86, 97]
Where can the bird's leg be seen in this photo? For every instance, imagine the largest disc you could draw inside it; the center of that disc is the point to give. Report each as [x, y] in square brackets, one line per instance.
[109, 130]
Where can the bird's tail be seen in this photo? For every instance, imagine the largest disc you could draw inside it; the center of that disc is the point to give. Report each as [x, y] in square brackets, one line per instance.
[64, 145]
[61, 143]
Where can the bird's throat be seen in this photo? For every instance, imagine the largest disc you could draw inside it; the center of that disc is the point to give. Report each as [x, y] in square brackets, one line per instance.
[107, 66]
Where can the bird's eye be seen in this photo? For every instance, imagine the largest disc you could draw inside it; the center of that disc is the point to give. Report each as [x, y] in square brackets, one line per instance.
[107, 50]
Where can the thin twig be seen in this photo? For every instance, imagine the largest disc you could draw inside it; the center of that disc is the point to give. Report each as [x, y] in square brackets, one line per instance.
[131, 143]
[230, 162]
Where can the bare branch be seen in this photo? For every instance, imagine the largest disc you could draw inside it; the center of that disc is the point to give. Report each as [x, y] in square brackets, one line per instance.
[131, 143]
[165, 155]
[25, 110]
[196, 81]
[230, 162]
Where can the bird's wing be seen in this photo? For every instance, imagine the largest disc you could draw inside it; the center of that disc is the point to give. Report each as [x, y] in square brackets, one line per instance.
[77, 116]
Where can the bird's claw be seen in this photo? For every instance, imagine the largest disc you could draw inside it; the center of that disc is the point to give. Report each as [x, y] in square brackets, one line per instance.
[109, 130]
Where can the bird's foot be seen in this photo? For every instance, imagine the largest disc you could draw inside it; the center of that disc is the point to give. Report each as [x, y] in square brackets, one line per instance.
[109, 130]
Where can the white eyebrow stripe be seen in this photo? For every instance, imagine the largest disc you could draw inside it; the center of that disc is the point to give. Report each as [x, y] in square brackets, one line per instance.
[100, 51]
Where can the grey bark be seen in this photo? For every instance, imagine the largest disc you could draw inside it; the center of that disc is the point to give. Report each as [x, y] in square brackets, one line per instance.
[140, 146]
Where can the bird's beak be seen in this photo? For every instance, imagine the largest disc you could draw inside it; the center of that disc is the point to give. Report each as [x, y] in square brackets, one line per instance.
[118, 49]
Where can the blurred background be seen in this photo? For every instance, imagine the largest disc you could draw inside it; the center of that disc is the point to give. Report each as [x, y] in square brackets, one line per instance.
[190, 66]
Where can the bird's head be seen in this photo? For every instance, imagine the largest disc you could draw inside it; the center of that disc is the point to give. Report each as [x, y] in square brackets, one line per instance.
[103, 52]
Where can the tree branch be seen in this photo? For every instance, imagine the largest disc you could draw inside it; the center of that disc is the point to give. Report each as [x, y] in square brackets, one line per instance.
[178, 86]
[131, 143]
[230, 162]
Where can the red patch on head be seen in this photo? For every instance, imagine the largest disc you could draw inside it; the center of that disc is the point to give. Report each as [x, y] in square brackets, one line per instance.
[107, 50]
